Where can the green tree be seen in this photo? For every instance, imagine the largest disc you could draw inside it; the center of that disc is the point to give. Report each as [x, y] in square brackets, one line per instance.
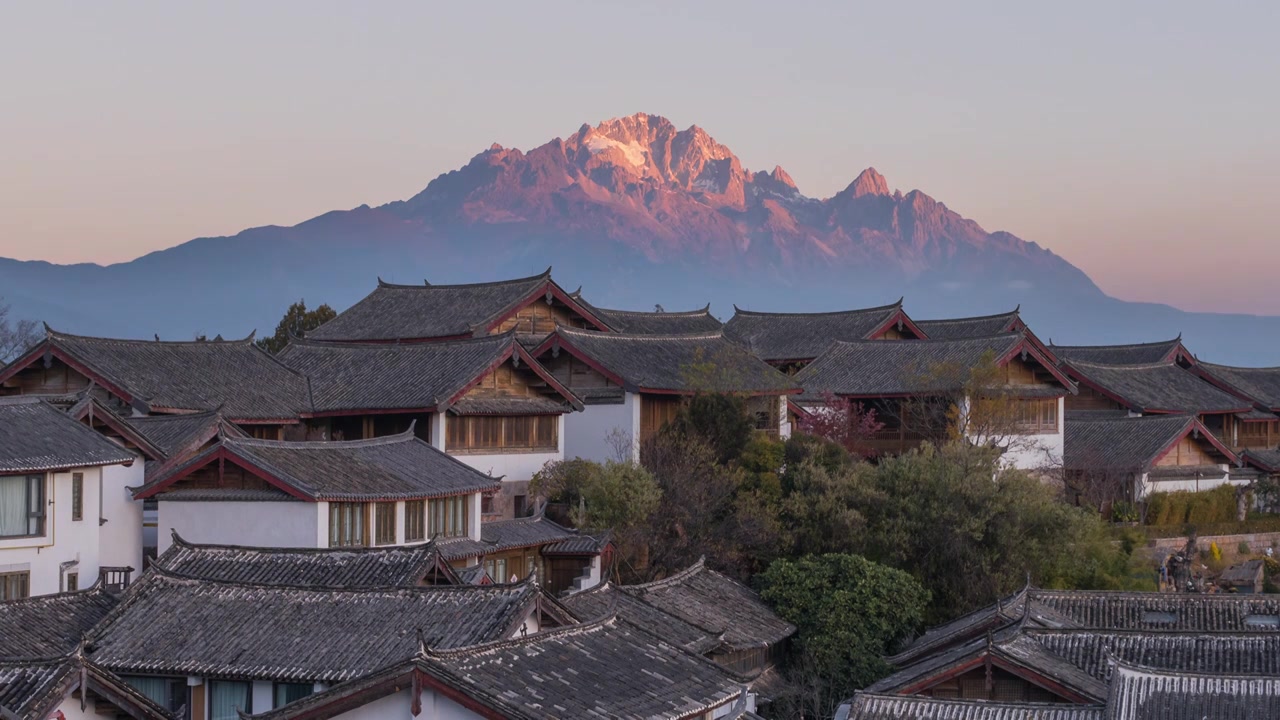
[614, 495]
[973, 530]
[721, 419]
[849, 613]
[297, 321]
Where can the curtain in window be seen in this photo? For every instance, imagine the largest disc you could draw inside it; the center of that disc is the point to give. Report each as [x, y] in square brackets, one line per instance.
[156, 688]
[226, 698]
[288, 692]
[13, 505]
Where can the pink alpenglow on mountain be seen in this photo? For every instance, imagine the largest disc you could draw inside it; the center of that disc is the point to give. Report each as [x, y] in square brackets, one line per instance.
[678, 195]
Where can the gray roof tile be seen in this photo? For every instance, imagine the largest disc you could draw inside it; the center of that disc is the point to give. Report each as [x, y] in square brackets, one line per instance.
[871, 706]
[50, 625]
[1159, 387]
[235, 375]
[607, 598]
[1125, 444]
[348, 568]
[634, 322]
[1261, 385]
[408, 376]
[879, 367]
[778, 337]
[37, 437]
[1143, 694]
[387, 468]
[705, 598]
[970, 327]
[1134, 354]
[673, 363]
[170, 625]
[404, 312]
[173, 434]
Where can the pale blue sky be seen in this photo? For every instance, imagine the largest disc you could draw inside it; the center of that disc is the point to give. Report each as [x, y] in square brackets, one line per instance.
[1139, 140]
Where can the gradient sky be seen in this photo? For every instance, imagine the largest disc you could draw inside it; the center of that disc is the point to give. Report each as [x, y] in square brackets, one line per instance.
[1139, 140]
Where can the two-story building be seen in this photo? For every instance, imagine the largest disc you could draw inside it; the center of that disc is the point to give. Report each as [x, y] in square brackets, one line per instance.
[789, 341]
[911, 386]
[633, 385]
[392, 490]
[65, 507]
[485, 401]
[144, 377]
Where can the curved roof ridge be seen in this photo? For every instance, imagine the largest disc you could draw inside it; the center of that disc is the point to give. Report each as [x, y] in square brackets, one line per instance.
[213, 412]
[387, 344]
[607, 619]
[582, 332]
[1114, 366]
[51, 334]
[1121, 345]
[853, 311]
[1206, 364]
[400, 437]
[704, 310]
[1133, 667]
[179, 541]
[167, 574]
[544, 275]
[992, 316]
[674, 579]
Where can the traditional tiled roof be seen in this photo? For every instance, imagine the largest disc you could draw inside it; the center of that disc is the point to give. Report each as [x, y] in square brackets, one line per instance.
[408, 376]
[350, 568]
[779, 337]
[670, 363]
[962, 629]
[1267, 460]
[1093, 651]
[1139, 693]
[970, 327]
[50, 625]
[524, 532]
[1135, 354]
[386, 468]
[876, 367]
[33, 690]
[37, 437]
[246, 382]
[1129, 444]
[416, 312]
[1012, 649]
[173, 434]
[600, 669]
[170, 625]
[1260, 385]
[661, 322]
[607, 598]
[461, 547]
[872, 706]
[705, 598]
[1115, 610]
[604, 669]
[1155, 388]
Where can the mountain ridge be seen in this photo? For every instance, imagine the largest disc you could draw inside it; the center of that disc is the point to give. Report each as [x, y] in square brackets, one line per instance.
[640, 212]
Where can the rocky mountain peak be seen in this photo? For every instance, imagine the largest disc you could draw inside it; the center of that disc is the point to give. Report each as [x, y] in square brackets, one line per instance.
[868, 182]
[781, 177]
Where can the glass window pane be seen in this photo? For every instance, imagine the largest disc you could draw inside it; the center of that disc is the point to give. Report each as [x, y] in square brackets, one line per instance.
[227, 698]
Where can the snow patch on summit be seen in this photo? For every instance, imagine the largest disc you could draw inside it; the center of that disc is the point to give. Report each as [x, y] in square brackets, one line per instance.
[635, 153]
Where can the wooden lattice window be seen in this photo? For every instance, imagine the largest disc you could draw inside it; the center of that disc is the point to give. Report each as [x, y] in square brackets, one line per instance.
[415, 520]
[77, 496]
[348, 524]
[384, 515]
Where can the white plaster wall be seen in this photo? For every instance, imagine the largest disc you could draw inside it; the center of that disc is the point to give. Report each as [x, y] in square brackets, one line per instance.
[64, 539]
[1036, 452]
[121, 534]
[70, 709]
[264, 524]
[587, 434]
[1189, 484]
[514, 467]
[397, 707]
[784, 419]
